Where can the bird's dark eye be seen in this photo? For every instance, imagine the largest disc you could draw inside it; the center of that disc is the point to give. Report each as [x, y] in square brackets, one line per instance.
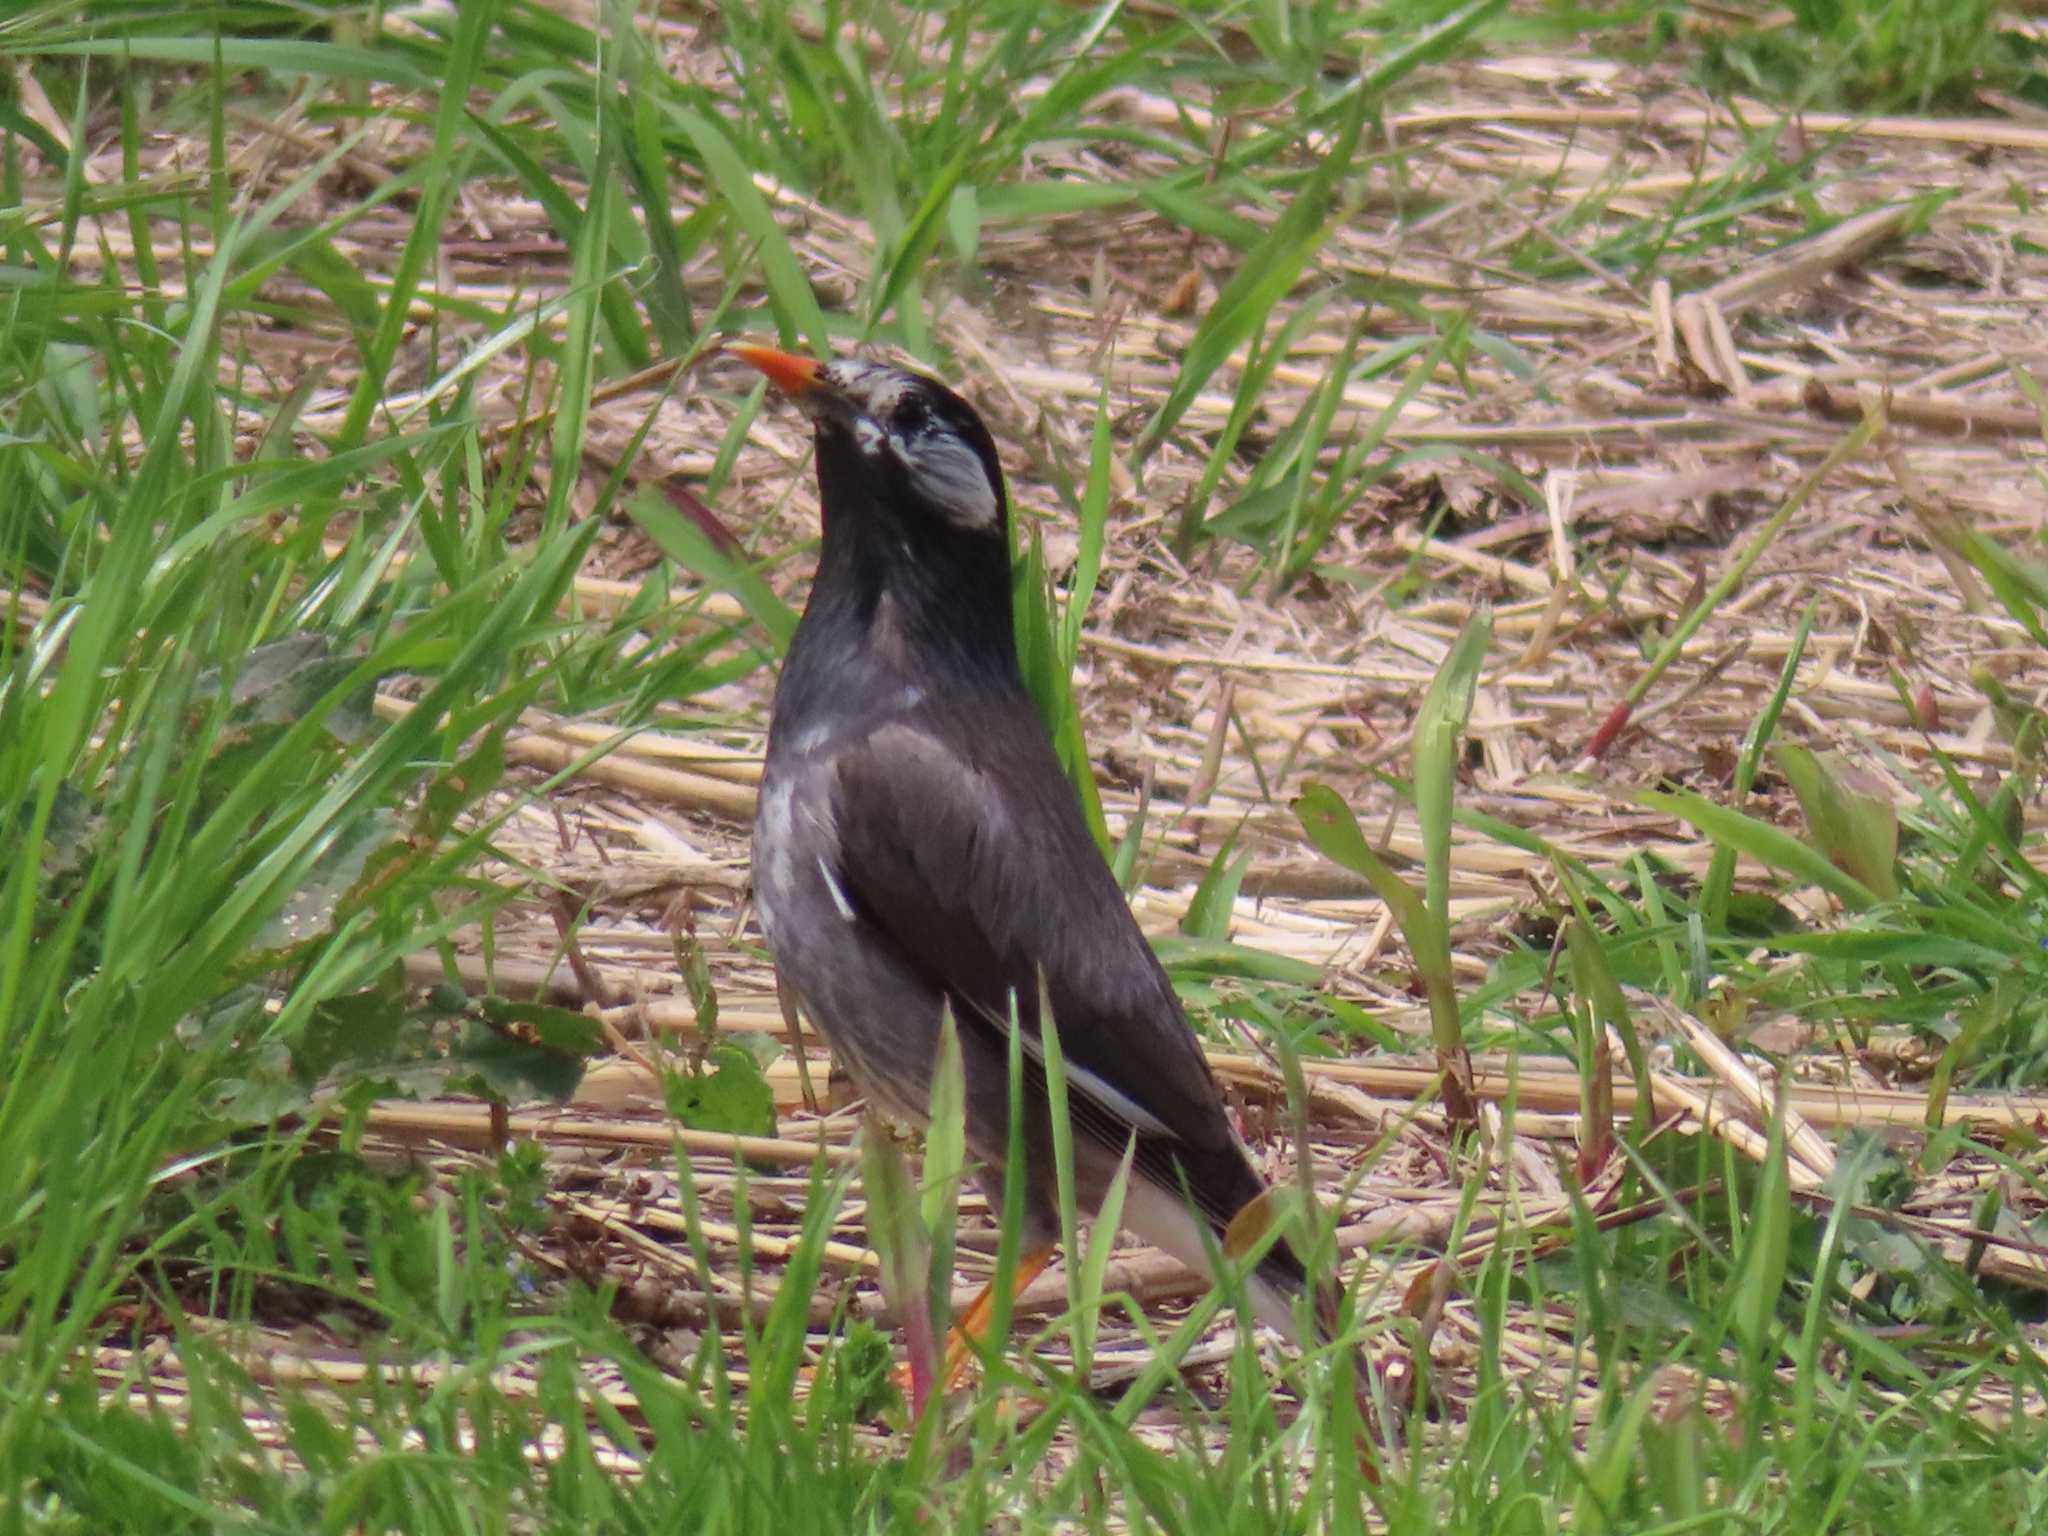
[911, 415]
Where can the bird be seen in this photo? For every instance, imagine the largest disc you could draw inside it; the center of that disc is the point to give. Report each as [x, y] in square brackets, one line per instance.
[919, 851]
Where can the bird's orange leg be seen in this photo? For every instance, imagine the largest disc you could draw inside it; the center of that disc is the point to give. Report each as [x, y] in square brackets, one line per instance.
[974, 1323]
[971, 1327]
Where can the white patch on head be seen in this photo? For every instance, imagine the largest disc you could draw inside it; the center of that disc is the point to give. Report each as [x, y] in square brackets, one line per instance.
[874, 387]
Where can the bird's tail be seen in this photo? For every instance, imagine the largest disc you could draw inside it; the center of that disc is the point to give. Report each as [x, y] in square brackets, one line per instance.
[1279, 1279]
[1278, 1282]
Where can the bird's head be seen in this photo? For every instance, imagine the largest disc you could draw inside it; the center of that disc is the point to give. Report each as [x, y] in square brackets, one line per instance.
[897, 441]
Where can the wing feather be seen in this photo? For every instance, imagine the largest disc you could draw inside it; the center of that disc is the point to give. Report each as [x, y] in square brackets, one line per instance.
[984, 874]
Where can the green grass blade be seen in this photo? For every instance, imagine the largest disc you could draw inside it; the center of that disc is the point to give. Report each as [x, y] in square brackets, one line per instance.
[789, 291]
[1761, 841]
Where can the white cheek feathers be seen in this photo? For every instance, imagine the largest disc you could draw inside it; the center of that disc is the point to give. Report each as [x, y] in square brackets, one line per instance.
[942, 466]
[949, 475]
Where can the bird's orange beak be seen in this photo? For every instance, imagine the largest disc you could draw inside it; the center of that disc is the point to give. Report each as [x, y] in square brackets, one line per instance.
[794, 376]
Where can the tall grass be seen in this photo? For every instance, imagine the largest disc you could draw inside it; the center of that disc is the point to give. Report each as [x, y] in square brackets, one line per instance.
[219, 849]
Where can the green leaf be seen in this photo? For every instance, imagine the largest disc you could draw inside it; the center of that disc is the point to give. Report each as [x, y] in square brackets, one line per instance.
[563, 1030]
[517, 1051]
[1335, 833]
[474, 24]
[1760, 841]
[1260, 282]
[354, 1033]
[505, 1067]
[963, 222]
[1435, 42]
[689, 546]
[789, 291]
[281, 57]
[1048, 677]
[945, 1163]
[1267, 351]
[1714, 896]
[1759, 1279]
[590, 263]
[1086, 1291]
[1334, 830]
[728, 1093]
[2022, 586]
[310, 910]
[1859, 832]
[1215, 957]
[321, 266]
[1066, 1192]
[1215, 900]
[1611, 1455]
[1593, 979]
[894, 1225]
[1439, 742]
[1094, 530]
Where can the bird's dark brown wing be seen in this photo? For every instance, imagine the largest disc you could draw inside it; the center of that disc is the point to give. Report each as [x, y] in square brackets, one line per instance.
[983, 873]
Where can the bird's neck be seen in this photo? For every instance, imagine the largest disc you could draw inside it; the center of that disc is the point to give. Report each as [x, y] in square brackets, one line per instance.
[912, 601]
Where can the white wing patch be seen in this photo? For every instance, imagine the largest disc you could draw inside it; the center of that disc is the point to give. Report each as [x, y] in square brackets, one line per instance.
[838, 893]
[1093, 1084]
[1098, 1088]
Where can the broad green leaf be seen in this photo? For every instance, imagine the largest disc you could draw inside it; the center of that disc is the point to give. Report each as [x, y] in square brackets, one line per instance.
[727, 1093]
[1859, 832]
[526, 1050]
[1214, 903]
[1335, 832]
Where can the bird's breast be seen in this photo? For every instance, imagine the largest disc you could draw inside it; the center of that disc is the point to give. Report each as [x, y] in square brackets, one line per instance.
[796, 838]
[774, 823]
[829, 702]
